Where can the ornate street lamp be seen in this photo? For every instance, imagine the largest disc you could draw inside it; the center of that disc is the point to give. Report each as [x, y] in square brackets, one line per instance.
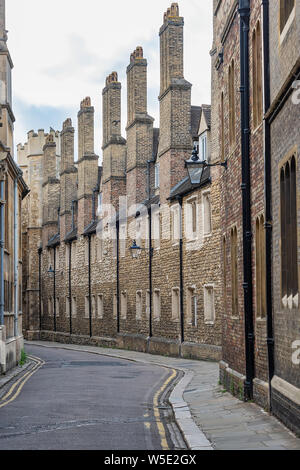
[135, 250]
[51, 271]
[195, 166]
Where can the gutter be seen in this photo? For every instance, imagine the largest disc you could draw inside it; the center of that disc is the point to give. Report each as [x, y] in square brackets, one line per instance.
[268, 195]
[244, 11]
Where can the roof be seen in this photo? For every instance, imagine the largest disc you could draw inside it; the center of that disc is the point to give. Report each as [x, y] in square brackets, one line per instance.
[196, 112]
[185, 186]
[91, 228]
[71, 236]
[206, 109]
[54, 241]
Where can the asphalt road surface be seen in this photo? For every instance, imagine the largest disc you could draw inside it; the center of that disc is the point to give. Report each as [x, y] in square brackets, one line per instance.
[83, 401]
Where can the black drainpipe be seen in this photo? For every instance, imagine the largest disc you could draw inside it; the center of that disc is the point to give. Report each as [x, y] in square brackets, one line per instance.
[150, 271]
[180, 200]
[70, 285]
[118, 274]
[244, 11]
[268, 194]
[90, 289]
[40, 288]
[54, 289]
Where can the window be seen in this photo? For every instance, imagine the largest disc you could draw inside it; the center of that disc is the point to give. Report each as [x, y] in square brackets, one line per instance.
[175, 304]
[203, 147]
[234, 272]
[67, 256]
[288, 216]
[57, 307]
[87, 307]
[74, 307]
[99, 247]
[260, 254]
[86, 251]
[206, 214]
[93, 249]
[176, 223]
[115, 305]
[157, 176]
[138, 235]
[286, 9]
[74, 253]
[222, 129]
[124, 305]
[231, 90]
[50, 307]
[123, 241]
[191, 219]
[156, 229]
[139, 305]
[156, 304]
[209, 304]
[7, 221]
[147, 304]
[257, 75]
[68, 307]
[93, 306]
[100, 306]
[192, 306]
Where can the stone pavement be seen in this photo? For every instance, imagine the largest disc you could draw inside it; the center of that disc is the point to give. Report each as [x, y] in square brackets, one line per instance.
[222, 421]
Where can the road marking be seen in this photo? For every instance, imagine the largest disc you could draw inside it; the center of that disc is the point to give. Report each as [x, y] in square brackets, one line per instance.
[21, 382]
[159, 423]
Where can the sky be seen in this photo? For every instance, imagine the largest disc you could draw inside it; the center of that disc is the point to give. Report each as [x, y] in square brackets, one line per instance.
[63, 51]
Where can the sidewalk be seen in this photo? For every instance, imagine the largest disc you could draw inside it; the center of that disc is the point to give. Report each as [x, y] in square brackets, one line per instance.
[208, 417]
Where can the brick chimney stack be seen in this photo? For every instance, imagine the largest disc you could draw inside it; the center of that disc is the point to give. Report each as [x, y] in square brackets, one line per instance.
[114, 145]
[139, 128]
[175, 143]
[51, 189]
[68, 177]
[87, 164]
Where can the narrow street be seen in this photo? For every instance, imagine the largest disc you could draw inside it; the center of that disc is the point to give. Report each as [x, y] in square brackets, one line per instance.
[82, 401]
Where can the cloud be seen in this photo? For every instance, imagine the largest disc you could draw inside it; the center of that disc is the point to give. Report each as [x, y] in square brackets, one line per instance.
[64, 52]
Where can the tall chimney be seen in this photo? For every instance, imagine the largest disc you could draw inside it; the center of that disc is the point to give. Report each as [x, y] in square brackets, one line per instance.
[114, 145]
[87, 164]
[139, 128]
[175, 142]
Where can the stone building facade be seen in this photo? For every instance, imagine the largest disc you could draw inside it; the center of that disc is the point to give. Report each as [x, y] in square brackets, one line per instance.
[283, 115]
[81, 220]
[254, 123]
[12, 190]
[132, 254]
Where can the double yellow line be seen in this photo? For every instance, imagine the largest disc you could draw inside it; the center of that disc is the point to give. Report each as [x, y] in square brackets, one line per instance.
[16, 388]
[159, 423]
